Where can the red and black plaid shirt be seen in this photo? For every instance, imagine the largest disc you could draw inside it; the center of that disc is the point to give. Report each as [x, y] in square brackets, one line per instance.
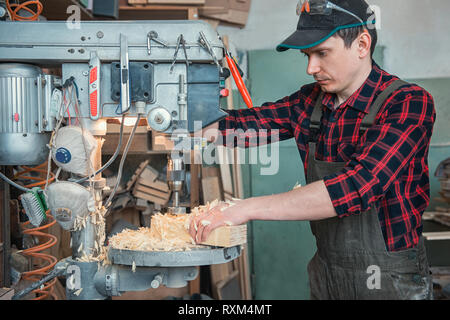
[387, 167]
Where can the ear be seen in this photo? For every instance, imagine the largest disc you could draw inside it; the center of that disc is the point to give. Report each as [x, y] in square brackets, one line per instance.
[364, 44]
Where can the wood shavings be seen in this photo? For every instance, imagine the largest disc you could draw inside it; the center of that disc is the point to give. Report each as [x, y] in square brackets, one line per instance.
[168, 232]
[297, 185]
[133, 267]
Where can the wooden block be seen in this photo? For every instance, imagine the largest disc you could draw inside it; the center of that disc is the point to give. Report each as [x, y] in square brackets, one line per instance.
[155, 184]
[155, 192]
[227, 236]
[149, 173]
[211, 189]
[136, 174]
[150, 198]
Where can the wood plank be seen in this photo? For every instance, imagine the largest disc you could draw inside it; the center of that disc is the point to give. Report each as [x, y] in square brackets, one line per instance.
[227, 236]
[225, 171]
[211, 189]
[195, 183]
[137, 173]
[437, 235]
[157, 193]
[150, 198]
[156, 184]
[155, 12]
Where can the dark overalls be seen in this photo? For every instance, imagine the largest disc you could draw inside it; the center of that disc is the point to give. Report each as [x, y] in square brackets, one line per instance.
[352, 261]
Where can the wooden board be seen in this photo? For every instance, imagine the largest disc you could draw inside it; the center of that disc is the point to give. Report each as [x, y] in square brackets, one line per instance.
[155, 184]
[211, 189]
[137, 173]
[158, 12]
[153, 191]
[437, 235]
[150, 197]
[227, 236]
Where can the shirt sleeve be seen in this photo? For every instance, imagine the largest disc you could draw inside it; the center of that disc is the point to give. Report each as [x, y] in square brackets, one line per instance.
[271, 122]
[402, 132]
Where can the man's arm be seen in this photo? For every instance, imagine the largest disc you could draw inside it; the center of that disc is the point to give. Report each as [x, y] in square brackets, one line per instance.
[273, 121]
[311, 202]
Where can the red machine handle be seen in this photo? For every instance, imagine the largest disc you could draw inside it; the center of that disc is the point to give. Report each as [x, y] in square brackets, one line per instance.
[239, 82]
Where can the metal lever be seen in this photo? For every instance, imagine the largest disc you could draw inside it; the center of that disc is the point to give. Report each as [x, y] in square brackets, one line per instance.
[124, 74]
[152, 35]
[206, 45]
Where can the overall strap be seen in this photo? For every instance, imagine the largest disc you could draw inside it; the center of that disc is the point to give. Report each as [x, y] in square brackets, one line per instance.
[368, 120]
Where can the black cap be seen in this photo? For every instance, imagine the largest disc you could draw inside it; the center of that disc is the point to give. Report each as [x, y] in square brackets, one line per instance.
[315, 29]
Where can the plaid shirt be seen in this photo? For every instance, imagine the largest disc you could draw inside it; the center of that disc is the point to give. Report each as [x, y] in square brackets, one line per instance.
[386, 168]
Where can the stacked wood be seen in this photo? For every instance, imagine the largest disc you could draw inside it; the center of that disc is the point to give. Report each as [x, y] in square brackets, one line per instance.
[149, 187]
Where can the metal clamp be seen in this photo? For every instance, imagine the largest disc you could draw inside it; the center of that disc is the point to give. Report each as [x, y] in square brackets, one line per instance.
[182, 42]
[153, 36]
[206, 45]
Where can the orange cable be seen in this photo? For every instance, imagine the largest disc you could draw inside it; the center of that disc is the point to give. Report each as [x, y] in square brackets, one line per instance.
[46, 289]
[15, 8]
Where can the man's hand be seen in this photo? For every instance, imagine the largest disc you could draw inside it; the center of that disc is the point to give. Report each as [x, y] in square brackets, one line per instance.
[221, 215]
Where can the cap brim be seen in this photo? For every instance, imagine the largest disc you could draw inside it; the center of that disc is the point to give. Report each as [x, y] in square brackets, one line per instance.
[304, 39]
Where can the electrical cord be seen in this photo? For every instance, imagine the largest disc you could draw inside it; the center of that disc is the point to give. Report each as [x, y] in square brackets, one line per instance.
[122, 161]
[114, 156]
[18, 186]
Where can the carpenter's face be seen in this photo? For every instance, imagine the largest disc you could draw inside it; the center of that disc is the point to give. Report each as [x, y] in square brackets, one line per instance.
[333, 65]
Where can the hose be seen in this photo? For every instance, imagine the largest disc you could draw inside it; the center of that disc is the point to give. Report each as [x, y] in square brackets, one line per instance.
[46, 240]
[14, 8]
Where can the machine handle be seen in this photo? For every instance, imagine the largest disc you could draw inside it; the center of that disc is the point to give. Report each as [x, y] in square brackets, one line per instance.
[239, 82]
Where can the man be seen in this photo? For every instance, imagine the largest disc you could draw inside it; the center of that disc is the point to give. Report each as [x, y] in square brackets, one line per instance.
[363, 136]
